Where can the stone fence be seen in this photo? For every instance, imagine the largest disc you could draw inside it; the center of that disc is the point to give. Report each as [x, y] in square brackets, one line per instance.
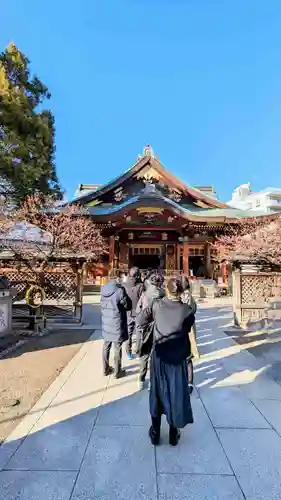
[256, 297]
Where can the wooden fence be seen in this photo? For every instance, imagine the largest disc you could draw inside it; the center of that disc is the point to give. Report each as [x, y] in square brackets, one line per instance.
[255, 294]
[62, 284]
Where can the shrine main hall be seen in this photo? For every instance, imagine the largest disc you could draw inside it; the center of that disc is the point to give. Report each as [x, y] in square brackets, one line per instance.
[152, 219]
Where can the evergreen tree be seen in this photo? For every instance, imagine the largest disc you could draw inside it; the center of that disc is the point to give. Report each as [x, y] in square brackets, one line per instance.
[26, 132]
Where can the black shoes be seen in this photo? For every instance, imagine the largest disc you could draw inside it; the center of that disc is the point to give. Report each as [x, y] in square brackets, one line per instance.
[174, 436]
[108, 371]
[120, 374]
[191, 388]
[154, 435]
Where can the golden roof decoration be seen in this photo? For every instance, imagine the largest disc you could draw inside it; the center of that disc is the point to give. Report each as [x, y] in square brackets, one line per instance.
[150, 210]
[149, 175]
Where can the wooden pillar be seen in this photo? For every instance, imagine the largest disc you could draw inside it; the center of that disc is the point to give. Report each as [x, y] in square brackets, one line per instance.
[185, 258]
[178, 250]
[79, 294]
[123, 257]
[171, 259]
[116, 255]
[224, 272]
[208, 260]
[111, 251]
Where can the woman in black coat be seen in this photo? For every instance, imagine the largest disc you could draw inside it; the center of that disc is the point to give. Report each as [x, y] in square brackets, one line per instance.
[169, 391]
[144, 336]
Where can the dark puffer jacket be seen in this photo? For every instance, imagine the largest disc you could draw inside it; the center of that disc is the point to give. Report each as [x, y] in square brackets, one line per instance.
[134, 289]
[114, 306]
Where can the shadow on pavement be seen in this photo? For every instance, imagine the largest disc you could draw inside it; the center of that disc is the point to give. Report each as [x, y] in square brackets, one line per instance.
[62, 335]
[96, 446]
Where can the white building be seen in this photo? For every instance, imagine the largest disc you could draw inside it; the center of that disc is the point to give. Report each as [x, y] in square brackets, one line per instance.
[5, 187]
[268, 200]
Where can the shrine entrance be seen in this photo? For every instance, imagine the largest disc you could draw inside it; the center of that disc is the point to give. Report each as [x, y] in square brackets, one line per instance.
[146, 256]
[145, 261]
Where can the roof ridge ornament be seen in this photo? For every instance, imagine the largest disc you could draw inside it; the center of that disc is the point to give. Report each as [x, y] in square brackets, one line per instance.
[148, 151]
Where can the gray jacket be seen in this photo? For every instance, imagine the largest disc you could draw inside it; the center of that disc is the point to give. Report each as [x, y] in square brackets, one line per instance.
[114, 306]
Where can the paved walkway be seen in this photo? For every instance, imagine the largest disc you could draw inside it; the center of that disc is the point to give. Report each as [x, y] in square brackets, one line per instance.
[86, 439]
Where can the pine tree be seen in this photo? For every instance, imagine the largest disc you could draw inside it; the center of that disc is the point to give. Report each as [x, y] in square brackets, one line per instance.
[26, 132]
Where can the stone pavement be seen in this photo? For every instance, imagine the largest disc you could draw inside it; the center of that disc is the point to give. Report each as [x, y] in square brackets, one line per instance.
[86, 438]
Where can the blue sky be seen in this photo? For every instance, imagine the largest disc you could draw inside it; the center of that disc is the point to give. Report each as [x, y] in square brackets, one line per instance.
[199, 80]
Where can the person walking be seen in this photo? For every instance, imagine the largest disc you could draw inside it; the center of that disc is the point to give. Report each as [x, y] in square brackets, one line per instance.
[144, 335]
[134, 288]
[169, 392]
[145, 278]
[187, 298]
[114, 306]
[143, 275]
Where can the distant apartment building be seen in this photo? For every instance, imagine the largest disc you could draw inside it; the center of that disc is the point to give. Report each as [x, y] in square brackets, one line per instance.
[268, 200]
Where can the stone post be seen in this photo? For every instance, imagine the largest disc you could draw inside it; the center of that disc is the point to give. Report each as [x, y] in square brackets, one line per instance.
[236, 286]
[5, 312]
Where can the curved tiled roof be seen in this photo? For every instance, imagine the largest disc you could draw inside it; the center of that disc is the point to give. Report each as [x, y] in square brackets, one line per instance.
[142, 162]
[191, 213]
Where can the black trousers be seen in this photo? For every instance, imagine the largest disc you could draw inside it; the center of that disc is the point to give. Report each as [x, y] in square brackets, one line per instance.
[144, 359]
[117, 346]
[156, 425]
[131, 329]
[138, 341]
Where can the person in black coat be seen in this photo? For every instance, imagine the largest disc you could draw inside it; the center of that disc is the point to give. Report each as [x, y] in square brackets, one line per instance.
[114, 306]
[134, 289]
[187, 298]
[144, 336]
[169, 391]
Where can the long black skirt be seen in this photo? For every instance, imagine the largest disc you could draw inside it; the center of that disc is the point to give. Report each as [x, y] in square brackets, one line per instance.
[169, 392]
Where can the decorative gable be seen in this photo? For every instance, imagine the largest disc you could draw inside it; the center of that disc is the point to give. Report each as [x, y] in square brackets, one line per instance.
[149, 171]
[149, 175]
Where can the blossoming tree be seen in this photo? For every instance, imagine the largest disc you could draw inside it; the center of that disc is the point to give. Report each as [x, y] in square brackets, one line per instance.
[256, 240]
[41, 231]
